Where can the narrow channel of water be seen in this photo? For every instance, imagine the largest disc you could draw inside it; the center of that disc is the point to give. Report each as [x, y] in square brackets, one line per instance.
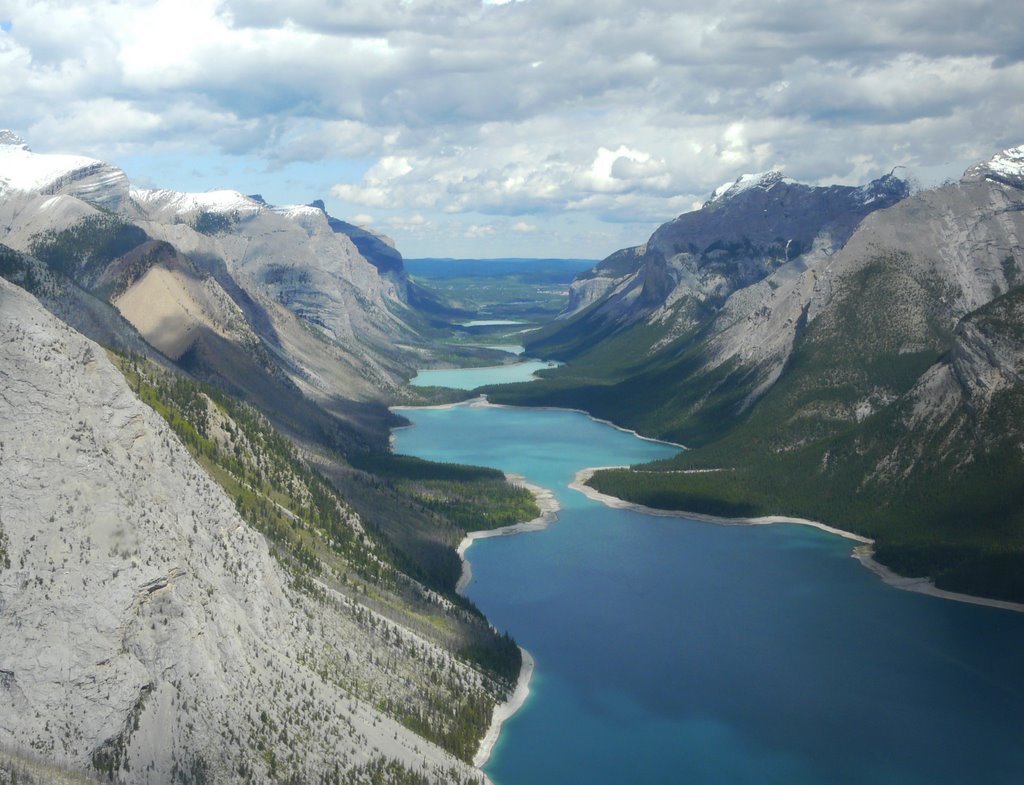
[672, 651]
[471, 378]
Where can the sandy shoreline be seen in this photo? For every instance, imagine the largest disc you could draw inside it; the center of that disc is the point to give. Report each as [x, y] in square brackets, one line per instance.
[863, 552]
[505, 710]
[549, 507]
[548, 514]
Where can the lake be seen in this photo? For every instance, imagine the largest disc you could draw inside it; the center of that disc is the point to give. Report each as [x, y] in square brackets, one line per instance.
[673, 651]
[471, 378]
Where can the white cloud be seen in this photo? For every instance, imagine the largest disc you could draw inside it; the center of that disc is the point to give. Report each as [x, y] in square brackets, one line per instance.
[617, 110]
[523, 227]
[476, 231]
[410, 223]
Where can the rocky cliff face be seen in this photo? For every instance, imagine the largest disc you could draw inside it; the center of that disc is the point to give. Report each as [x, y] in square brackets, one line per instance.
[147, 630]
[742, 234]
[286, 269]
[274, 304]
[719, 287]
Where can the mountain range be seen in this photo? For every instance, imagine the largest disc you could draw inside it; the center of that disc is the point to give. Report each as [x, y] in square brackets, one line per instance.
[211, 569]
[847, 354]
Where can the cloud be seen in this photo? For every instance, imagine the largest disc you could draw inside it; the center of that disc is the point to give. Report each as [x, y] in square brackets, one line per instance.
[408, 223]
[523, 228]
[476, 231]
[619, 110]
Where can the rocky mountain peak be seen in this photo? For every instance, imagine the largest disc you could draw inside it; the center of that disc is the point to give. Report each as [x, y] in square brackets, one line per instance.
[11, 139]
[1006, 167]
[745, 182]
[167, 204]
[888, 186]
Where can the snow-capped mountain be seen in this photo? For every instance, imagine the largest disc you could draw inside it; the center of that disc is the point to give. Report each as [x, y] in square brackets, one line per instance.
[1006, 167]
[282, 270]
[25, 172]
[744, 231]
[247, 619]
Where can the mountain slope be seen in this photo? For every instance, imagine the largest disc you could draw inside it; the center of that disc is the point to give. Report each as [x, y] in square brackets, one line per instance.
[157, 637]
[321, 317]
[694, 326]
[76, 176]
[874, 386]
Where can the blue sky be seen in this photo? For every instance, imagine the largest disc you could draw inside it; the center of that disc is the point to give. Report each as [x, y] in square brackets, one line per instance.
[523, 128]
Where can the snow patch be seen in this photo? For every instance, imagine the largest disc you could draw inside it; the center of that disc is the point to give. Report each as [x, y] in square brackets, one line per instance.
[1009, 162]
[183, 203]
[294, 211]
[23, 170]
[1005, 167]
[745, 182]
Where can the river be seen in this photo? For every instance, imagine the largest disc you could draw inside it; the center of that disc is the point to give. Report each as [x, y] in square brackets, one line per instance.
[675, 651]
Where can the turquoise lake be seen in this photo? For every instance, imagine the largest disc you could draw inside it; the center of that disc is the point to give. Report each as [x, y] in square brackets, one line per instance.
[471, 378]
[673, 651]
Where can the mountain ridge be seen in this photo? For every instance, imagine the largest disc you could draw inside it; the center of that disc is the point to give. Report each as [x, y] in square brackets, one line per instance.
[354, 568]
[138, 621]
[836, 386]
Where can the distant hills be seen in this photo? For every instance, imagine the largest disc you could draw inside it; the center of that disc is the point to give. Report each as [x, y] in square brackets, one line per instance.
[848, 354]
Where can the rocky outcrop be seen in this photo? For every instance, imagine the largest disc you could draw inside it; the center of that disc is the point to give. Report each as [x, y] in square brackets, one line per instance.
[289, 272]
[378, 249]
[147, 631]
[746, 231]
[285, 269]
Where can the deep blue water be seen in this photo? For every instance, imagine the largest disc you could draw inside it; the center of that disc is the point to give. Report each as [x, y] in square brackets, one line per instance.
[672, 651]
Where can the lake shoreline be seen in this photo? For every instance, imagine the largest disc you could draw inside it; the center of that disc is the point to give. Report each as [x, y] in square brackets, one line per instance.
[863, 552]
[549, 508]
[483, 401]
[517, 362]
[504, 711]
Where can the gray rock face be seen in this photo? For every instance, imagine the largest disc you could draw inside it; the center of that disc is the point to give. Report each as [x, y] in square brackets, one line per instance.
[959, 246]
[288, 269]
[592, 286]
[378, 249]
[742, 234]
[8, 137]
[144, 628]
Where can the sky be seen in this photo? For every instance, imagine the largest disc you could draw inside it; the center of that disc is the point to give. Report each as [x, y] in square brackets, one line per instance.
[523, 128]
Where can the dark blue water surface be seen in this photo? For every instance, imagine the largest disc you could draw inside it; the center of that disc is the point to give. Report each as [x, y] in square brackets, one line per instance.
[673, 651]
